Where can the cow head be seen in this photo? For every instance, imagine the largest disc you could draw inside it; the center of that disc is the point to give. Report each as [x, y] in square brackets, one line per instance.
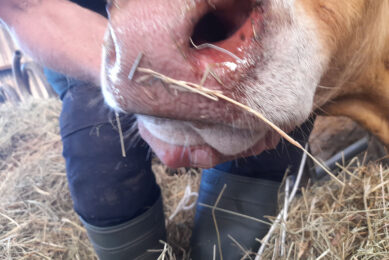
[283, 58]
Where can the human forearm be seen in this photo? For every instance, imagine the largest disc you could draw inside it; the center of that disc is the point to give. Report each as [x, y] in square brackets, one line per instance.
[58, 34]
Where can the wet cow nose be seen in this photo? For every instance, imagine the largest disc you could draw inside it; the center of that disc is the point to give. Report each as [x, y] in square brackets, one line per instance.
[178, 38]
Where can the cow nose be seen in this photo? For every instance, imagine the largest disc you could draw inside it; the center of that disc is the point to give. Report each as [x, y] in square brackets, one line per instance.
[179, 39]
[167, 26]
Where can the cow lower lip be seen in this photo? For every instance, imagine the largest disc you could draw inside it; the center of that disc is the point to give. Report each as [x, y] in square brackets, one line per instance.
[203, 155]
[175, 156]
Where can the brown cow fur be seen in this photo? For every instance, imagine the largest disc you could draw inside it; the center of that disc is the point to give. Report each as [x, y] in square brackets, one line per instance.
[356, 84]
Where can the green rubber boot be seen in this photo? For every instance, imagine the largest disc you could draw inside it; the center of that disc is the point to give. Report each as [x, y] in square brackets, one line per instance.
[131, 240]
[252, 197]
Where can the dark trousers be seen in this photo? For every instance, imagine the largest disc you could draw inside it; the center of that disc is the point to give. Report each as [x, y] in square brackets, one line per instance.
[107, 189]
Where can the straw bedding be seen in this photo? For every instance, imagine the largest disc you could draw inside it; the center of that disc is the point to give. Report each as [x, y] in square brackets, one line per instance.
[329, 221]
[326, 221]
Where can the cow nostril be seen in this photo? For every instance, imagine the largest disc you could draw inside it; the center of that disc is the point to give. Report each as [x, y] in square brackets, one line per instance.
[221, 23]
[210, 29]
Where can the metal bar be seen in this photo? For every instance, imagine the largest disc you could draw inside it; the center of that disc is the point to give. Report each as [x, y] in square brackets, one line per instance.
[345, 155]
[20, 78]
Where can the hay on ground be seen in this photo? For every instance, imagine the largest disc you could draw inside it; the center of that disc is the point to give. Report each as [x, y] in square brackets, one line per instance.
[37, 221]
[329, 221]
[36, 216]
